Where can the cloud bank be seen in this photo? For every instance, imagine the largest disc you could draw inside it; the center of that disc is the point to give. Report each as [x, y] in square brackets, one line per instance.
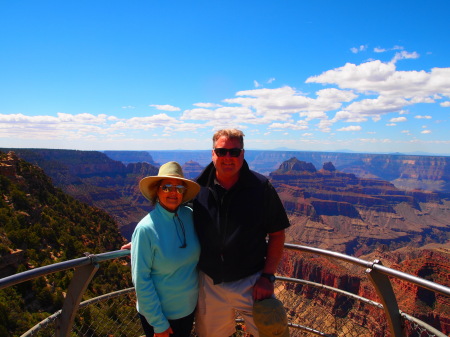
[354, 94]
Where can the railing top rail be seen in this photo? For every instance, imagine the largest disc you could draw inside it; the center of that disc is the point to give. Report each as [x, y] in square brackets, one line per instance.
[111, 255]
[340, 256]
[413, 279]
[41, 271]
[374, 265]
[95, 258]
[60, 266]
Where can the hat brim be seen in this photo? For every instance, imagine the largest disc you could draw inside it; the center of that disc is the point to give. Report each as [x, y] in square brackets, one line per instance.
[148, 187]
[270, 318]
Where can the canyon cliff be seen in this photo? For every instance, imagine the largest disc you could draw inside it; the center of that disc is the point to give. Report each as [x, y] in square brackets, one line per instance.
[41, 225]
[94, 178]
[365, 216]
[339, 311]
[409, 172]
[328, 208]
[345, 213]
[370, 218]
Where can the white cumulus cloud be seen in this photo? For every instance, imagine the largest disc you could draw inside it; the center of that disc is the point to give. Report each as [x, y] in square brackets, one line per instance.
[165, 107]
[404, 55]
[398, 120]
[207, 105]
[356, 50]
[351, 128]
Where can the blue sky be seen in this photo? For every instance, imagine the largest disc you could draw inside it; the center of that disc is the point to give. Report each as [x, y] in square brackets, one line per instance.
[365, 76]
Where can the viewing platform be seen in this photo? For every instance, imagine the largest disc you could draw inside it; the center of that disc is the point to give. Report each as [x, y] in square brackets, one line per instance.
[313, 308]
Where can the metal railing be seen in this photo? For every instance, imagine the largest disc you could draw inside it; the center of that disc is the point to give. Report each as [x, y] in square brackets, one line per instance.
[313, 308]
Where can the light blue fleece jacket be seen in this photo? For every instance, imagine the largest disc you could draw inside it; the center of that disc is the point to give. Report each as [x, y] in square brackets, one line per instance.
[164, 275]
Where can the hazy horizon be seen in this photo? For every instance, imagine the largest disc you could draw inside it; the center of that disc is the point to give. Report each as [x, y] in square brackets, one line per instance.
[247, 149]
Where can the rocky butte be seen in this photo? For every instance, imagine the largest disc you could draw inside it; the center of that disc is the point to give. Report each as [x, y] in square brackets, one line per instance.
[342, 212]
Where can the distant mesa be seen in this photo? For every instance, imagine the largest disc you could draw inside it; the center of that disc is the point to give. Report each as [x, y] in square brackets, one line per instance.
[128, 157]
[329, 167]
[294, 166]
[192, 169]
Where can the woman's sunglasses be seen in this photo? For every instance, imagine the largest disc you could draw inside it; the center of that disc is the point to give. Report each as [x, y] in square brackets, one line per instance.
[221, 152]
[168, 187]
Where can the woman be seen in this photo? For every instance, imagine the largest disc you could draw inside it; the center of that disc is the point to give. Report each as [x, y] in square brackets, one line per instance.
[164, 255]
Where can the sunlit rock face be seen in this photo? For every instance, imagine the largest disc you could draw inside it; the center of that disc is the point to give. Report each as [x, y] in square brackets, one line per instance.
[408, 172]
[342, 212]
[431, 262]
[329, 206]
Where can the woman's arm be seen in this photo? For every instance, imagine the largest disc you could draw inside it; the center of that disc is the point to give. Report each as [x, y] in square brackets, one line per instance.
[141, 272]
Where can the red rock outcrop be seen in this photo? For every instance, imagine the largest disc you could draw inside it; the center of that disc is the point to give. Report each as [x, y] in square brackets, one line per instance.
[407, 172]
[8, 165]
[432, 263]
[342, 212]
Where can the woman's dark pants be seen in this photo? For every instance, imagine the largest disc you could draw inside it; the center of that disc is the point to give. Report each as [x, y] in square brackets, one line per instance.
[181, 327]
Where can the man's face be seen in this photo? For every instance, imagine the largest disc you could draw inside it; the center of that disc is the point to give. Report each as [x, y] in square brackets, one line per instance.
[227, 166]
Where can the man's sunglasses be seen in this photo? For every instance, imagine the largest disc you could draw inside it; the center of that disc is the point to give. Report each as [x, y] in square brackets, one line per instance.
[168, 187]
[221, 152]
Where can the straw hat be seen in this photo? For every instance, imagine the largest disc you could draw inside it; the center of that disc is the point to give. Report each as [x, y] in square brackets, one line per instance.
[170, 170]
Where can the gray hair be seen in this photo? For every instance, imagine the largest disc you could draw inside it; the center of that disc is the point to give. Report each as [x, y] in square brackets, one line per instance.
[230, 134]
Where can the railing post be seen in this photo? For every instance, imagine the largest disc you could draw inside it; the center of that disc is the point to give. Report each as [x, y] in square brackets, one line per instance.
[384, 290]
[80, 281]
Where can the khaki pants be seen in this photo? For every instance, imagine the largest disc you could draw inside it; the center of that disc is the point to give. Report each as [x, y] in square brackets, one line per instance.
[217, 304]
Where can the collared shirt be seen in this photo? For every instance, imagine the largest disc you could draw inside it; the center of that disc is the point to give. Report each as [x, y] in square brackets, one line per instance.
[232, 225]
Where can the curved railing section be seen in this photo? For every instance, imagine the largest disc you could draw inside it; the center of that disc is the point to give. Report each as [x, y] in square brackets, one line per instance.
[314, 308]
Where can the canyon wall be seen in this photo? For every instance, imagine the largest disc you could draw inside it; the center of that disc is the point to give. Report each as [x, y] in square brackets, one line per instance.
[431, 262]
[404, 171]
[345, 213]
[361, 215]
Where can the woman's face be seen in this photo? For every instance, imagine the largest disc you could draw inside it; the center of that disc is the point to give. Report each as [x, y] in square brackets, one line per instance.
[169, 197]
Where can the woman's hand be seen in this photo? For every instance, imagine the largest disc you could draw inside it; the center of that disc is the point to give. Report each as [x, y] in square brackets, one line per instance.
[165, 333]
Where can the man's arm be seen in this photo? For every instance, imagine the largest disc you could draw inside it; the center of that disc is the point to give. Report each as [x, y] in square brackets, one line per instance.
[263, 287]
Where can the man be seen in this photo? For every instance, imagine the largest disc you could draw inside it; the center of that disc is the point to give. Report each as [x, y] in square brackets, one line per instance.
[234, 212]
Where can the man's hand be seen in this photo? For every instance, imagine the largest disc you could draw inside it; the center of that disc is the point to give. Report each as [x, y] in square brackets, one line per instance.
[126, 246]
[262, 289]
